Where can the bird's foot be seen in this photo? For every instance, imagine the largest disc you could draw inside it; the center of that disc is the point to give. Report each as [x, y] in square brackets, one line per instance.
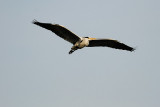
[71, 51]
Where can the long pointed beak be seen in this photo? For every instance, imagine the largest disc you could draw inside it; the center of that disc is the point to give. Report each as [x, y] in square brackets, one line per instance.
[91, 38]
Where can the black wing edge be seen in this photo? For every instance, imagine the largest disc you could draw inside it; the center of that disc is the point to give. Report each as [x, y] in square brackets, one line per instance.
[43, 25]
[35, 22]
[59, 31]
[133, 49]
[125, 47]
[109, 43]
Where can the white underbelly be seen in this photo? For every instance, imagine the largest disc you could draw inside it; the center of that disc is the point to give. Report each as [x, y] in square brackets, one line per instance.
[84, 43]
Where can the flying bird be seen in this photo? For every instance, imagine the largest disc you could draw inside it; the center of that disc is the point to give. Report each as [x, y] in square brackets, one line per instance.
[81, 42]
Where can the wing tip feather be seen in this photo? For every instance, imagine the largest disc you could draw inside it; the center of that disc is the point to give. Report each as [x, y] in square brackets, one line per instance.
[133, 49]
[35, 21]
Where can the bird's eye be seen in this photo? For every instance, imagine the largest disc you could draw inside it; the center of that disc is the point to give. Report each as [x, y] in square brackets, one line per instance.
[86, 37]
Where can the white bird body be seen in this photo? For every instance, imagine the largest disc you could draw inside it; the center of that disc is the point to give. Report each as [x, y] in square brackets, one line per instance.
[81, 42]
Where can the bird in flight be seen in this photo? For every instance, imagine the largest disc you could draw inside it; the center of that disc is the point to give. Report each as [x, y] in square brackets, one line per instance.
[81, 42]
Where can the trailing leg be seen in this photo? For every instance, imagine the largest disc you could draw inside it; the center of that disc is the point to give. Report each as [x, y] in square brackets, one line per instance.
[74, 48]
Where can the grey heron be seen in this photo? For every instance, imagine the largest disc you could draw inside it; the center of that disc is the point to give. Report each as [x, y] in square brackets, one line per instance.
[81, 42]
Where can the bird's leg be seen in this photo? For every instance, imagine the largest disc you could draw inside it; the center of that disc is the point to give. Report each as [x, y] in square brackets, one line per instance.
[71, 51]
[74, 48]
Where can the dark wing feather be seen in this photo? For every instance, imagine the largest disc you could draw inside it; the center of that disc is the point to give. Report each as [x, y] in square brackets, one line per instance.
[60, 31]
[109, 43]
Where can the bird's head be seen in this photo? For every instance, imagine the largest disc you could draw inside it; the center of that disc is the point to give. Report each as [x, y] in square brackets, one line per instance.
[90, 38]
[86, 37]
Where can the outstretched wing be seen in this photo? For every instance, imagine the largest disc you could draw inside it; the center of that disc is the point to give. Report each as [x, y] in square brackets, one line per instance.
[109, 43]
[60, 31]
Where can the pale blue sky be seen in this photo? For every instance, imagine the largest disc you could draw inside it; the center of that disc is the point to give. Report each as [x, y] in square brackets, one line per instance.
[36, 70]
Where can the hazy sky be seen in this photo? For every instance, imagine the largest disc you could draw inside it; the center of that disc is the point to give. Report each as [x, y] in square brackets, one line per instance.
[37, 71]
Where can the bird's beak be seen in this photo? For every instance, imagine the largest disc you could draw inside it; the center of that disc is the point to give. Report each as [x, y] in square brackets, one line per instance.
[92, 38]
